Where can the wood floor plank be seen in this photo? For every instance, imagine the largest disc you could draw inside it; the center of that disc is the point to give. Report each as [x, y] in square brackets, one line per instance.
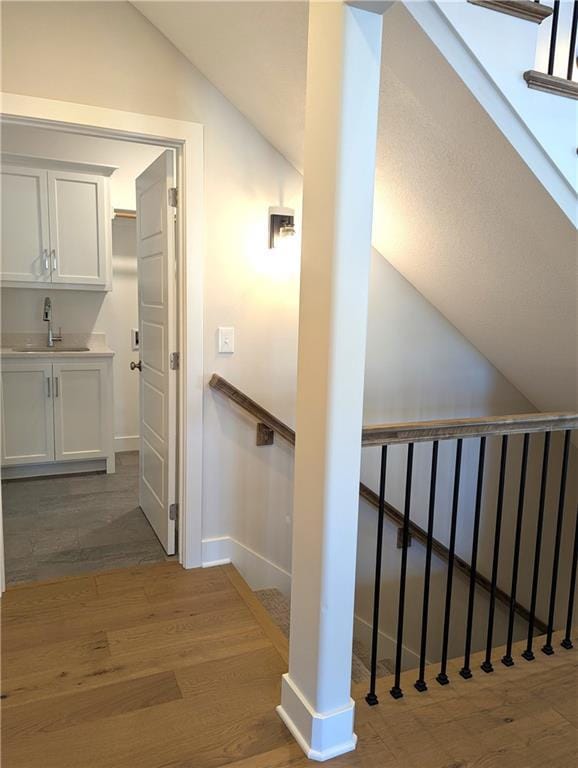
[50, 656]
[85, 706]
[71, 676]
[21, 601]
[142, 640]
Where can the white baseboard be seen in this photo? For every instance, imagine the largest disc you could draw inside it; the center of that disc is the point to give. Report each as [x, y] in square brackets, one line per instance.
[53, 468]
[127, 443]
[321, 735]
[386, 645]
[258, 572]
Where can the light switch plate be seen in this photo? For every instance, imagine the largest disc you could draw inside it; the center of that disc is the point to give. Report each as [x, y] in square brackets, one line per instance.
[226, 340]
[134, 339]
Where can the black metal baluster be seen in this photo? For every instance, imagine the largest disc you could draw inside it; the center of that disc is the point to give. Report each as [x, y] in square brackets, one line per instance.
[487, 665]
[442, 678]
[465, 671]
[553, 36]
[572, 52]
[371, 697]
[396, 691]
[528, 653]
[507, 659]
[547, 647]
[420, 683]
[567, 641]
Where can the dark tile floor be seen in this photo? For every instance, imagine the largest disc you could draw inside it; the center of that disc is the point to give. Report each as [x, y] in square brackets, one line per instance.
[65, 526]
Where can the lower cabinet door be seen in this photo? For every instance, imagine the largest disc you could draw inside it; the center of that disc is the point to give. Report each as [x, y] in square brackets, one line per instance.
[82, 410]
[27, 414]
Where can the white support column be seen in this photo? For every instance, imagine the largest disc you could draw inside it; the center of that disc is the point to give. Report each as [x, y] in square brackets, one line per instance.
[343, 70]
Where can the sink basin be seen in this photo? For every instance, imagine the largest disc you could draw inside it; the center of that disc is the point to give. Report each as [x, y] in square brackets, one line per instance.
[50, 349]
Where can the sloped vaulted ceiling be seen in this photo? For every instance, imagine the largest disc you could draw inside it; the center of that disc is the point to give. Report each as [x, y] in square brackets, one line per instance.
[457, 211]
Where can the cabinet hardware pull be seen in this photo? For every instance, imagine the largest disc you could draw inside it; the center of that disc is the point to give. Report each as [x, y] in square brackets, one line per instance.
[56, 387]
[48, 388]
[53, 252]
[46, 260]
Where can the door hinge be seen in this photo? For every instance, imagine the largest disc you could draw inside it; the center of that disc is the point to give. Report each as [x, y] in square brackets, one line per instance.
[173, 197]
[175, 361]
[173, 511]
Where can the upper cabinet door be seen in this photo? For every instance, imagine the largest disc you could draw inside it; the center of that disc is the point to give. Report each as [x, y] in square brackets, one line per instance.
[78, 228]
[25, 233]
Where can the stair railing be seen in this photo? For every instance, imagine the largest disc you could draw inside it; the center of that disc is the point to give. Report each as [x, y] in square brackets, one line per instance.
[383, 436]
[555, 37]
[531, 426]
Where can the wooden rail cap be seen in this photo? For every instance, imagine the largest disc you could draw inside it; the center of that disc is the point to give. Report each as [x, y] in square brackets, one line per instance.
[447, 429]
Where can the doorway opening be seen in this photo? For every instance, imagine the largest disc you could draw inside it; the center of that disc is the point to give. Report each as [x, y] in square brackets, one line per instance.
[90, 350]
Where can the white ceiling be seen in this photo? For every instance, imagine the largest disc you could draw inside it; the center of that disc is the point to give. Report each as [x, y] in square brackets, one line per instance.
[457, 211]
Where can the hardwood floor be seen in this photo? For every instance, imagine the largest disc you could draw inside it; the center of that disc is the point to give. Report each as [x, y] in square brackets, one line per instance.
[157, 667]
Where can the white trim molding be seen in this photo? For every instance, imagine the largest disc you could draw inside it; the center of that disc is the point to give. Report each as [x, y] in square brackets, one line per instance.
[186, 138]
[126, 443]
[320, 735]
[258, 572]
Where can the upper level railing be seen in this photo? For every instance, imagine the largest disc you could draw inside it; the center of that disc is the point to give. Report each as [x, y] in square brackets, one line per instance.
[556, 58]
[530, 427]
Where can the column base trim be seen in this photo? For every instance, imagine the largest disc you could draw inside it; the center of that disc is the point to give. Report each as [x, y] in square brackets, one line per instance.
[321, 736]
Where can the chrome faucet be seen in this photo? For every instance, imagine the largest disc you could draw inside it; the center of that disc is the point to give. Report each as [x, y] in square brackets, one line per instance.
[47, 317]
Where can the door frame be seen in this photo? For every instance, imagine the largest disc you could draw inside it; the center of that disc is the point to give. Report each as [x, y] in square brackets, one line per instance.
[186, 138]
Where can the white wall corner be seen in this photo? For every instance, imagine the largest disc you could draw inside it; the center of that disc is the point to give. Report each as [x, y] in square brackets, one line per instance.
[258, 571]
[321, 735]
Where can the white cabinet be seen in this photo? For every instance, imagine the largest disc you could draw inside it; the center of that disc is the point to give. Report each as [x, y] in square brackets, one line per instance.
[56, 224]
[57, 411]
[25, 227]
[81, 411]
[27, 413]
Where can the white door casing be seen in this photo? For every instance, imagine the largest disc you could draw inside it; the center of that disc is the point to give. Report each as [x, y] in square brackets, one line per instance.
[157, 327]
[25, 225]
[27, 413]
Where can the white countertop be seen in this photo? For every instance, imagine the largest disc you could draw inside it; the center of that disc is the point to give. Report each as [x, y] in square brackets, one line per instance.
[56, 351]
[33, 345]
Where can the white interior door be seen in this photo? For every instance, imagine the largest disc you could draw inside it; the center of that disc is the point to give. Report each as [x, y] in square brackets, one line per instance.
[157, 311]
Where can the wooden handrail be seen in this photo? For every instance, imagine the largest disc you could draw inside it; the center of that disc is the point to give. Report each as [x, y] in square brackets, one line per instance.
[447, 429]
[417, 433]
[256, 410]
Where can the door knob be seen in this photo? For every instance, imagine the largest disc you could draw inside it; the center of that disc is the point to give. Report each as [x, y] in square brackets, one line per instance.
[134, 366]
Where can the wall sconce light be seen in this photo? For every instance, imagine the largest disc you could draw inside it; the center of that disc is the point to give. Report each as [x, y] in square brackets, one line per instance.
[281, 225]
